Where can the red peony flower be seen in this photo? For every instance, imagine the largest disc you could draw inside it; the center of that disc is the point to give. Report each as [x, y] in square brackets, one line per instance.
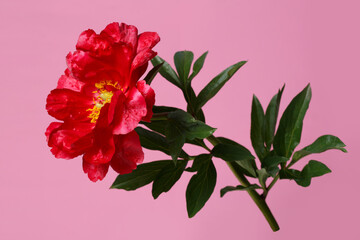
[100, 100]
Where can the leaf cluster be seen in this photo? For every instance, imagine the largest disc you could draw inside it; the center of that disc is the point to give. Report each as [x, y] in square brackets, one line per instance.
[275, 147]
[171, 128]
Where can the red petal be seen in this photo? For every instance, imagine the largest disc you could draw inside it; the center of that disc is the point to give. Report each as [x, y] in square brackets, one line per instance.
[128, 114]
[65, 104]
[103, 148]
[121, 60]
[95, 171]
[122, 34]
[117, 98]
[62, 139]
[128, 153]
[136, 74]
[149, 95]
[95, 44]
[142, 58]
[51, 128]
[68, 82]
[147, 40]
[83, 66]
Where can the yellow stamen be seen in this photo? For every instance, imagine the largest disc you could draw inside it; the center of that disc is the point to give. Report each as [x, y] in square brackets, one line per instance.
[103, 98]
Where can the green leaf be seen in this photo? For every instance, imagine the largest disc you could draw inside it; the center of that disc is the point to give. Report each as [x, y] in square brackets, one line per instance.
[181, 127]
[152, 73]
[247, 167]
[262, 176]
[272, 161]
[191, 127]
[201, 186]
[175, 137]
[320, 145]
[229, 152]
[303, 178]
[167, 177]
[162, 109]
[152, 140]
[216, 84]
[290, 174]
[167, 71]
[288, 134]
[183, 61]
[198, 162]
[271, 116]
[199, 63]
[157, 126]
[141, 176]
[227, 189]
[257, 128]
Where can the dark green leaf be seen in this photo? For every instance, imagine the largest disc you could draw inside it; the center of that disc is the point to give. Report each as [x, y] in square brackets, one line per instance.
[272, 161]
[271, 116]
[157, 126]
[182, 126]
[289, 174]
[175, 137]
[257, 128]
[167, 177]
[199, 63]
[189, 126]
[141, 176]
[314, 169]
[247, 167]
[226, 189]
[167, 71]
[162, 109]
[289, 132]
[152, 73]
[262, 176]
[152, 140]
[303, 178]
[183, 61]
[198, 162]
[197, 142]
[320, 145]
[229, 152]
[200, 187]
[216, 84]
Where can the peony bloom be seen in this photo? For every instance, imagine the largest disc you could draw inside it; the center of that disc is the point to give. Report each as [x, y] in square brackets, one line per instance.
[100, 100]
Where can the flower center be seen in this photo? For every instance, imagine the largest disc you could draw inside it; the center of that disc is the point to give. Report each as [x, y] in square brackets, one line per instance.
[104, 94]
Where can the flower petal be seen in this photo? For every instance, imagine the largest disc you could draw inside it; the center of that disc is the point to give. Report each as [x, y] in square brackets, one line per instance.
[147, 40]
[66, 81]
[103, 148]
[93, 43]
[51, 128]
[142, 58]
[128, 114]
[65, 104]
[149, 95]
[122, 34]
[83, 66]
[118, 97]
[95, 171]
[62, 138]
[128, 153]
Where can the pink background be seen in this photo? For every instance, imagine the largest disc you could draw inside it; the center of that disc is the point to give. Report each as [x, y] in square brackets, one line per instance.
[292, 42]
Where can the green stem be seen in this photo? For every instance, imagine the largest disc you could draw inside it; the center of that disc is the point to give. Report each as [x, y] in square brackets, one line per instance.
[259, 201]
[271, 185]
